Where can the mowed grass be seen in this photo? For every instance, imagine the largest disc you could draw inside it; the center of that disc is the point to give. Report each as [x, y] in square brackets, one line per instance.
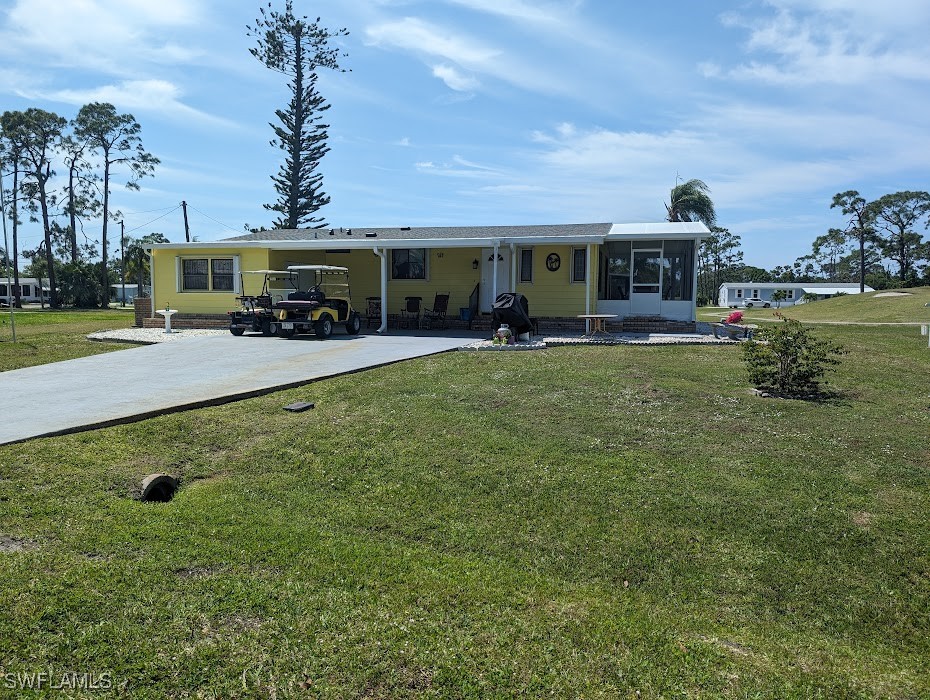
[48, 335]
[577, 522]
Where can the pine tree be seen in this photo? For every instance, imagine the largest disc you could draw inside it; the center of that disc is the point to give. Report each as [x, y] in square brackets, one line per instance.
[296, 47]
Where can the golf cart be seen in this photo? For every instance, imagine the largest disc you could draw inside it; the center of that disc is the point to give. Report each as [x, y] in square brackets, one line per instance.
[318, 309]
[255, 313]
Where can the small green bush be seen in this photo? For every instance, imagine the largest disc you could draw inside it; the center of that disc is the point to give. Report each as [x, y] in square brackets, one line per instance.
[788, 360]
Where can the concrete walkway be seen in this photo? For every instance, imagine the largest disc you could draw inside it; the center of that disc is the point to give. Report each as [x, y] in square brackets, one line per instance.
[140, 382]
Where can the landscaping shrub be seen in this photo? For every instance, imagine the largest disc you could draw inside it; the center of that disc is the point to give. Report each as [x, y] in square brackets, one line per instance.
[788, 360]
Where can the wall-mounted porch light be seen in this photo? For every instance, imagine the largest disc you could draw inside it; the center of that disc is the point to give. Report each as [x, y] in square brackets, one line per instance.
[474, 264]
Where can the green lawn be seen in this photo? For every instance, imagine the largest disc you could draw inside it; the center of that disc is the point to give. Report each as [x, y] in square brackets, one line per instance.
[887, 306]
[578, 522]
[45, 336]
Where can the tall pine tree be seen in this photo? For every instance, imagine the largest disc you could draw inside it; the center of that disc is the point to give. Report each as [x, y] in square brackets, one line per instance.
[297, 47]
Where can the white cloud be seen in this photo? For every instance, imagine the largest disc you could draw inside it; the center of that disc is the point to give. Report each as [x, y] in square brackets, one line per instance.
[838, 42]
[551, 14]
[460, 167]
[459, 52]
[417, 35]
[109, 35]
[152, 96]
[454, 79]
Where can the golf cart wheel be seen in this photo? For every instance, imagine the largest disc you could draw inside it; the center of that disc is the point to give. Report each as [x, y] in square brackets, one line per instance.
[266, 328]
[354, 324]
[324, 327]
[237, 331]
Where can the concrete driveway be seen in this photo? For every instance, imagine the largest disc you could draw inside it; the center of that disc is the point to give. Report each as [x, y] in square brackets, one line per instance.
[140, 382]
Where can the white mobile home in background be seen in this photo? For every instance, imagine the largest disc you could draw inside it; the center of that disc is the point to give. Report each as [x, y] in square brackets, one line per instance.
[735, 293]
[30, 289]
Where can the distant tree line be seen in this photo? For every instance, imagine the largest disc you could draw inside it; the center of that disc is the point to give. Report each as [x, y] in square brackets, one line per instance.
[59, 174]
[880, 244]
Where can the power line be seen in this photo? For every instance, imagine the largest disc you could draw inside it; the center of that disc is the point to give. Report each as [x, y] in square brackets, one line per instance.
[228, 228]
[148, 211]
[155, 219]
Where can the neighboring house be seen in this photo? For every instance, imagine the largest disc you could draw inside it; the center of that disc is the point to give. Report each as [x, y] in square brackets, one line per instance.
[563, 270]
[132, 291]
[735, 293]
[30, 290]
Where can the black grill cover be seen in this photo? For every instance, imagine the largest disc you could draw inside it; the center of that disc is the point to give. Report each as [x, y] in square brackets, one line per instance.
[514, 310]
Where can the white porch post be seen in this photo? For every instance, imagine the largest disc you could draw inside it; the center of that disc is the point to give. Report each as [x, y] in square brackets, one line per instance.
[694, 274]
[587, 286]
[384, 310]
[513, 267]
[494, 255]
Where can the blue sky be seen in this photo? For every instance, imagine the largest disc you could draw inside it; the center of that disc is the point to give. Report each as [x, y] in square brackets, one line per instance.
[461, 112]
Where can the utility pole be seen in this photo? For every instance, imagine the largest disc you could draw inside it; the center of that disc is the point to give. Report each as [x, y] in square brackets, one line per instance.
[6, 251]
[122, 265]
[187, 229]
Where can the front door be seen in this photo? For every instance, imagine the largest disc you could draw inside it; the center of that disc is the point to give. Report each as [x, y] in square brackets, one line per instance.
[487, 275]
[645, 291]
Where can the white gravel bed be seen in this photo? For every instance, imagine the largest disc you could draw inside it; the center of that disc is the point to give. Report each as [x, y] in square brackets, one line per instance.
[149, 336]
[489, 345]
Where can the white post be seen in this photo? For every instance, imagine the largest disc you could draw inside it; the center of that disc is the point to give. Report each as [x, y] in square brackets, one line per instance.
[6, 249]
[587, 286]
[513, 267]
[494, 255]
[384, 310]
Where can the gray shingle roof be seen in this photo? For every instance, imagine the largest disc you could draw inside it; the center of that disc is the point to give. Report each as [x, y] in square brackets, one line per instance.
[426, 232]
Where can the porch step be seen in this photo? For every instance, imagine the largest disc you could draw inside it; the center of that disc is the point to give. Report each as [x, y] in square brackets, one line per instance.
[652, 324]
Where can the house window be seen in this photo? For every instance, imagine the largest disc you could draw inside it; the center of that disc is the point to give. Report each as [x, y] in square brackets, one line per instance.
[207, 275]
[677, 270]
[27, 290]
[408, 264]
[222, 273]
[755, 293]
[739, 293]
[194, 276]
[614, 280]
[526, 265]
[579, 265]
[2, 290]
[789, 294]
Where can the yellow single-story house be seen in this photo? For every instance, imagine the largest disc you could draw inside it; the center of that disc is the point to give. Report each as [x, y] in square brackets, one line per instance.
[630, 270]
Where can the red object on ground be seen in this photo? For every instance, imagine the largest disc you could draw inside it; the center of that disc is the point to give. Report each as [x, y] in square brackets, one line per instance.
[735, 317]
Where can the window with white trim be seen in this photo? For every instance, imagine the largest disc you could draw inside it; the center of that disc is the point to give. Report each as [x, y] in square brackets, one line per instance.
[755, 293]
[208, 274]
[579, 264]
[526, 264]
[739, 293]
[789, 294]
[408, 264]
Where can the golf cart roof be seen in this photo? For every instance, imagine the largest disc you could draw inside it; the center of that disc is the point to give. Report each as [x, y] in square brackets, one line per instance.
[285, 273]
[318, 268]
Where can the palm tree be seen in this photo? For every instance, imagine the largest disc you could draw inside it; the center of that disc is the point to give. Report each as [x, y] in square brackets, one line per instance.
[690, 201]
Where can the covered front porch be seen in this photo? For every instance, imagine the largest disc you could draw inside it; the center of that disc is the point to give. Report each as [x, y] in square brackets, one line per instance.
[635, 272]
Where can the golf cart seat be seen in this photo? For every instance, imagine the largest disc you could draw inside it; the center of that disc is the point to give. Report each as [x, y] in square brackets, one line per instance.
[312, 294]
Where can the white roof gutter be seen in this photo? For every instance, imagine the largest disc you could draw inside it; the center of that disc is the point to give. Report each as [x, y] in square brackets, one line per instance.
[383, 243]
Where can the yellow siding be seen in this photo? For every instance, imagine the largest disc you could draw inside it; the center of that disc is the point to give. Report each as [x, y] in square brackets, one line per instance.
[553, 293]
[166, 279]
[449, 271]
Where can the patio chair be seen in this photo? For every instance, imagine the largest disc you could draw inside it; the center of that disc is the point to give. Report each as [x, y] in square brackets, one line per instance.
[437, 314]
[373, 311]
[410, 314]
